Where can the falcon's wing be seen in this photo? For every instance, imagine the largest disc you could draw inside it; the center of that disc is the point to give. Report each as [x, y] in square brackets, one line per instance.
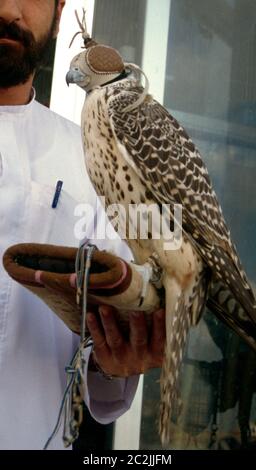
[168, 163]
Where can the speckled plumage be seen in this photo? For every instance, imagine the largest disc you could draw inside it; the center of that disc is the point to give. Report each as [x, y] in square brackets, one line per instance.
[143, 155]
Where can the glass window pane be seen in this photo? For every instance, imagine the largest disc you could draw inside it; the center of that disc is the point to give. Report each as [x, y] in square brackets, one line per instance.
[43, 77]
[118, 24]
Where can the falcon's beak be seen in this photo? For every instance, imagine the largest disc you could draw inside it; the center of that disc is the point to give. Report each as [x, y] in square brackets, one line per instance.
[74, 76]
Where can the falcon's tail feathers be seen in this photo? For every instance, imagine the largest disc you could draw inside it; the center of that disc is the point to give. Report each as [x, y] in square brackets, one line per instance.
[177, 327]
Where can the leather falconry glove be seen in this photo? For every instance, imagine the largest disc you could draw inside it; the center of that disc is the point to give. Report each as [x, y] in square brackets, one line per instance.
[51, 272]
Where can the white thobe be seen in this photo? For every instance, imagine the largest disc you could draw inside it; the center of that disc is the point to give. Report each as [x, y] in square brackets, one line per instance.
[37, 148]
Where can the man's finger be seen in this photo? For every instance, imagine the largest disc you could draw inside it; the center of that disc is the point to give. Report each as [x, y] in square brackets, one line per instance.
[113, 335]
[138, 332]
[158, 332]
[96, 332]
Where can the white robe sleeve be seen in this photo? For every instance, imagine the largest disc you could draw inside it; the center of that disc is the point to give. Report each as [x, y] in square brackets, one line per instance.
[106, 399]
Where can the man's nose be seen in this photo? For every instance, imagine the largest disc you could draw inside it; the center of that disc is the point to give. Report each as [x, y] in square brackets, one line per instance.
[10, 10]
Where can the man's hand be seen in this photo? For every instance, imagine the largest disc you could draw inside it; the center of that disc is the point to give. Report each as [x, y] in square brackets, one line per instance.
[120, 357]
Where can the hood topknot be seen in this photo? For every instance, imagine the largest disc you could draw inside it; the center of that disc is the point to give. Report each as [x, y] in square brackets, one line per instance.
[99, 58]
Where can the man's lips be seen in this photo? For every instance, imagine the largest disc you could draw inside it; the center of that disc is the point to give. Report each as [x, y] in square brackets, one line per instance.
[9, 41]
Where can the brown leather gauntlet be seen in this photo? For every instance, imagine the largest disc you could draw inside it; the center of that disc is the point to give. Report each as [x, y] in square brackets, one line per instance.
[49, 272]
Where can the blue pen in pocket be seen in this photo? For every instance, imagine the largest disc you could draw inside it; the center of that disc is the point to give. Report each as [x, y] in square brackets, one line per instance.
[57, 194]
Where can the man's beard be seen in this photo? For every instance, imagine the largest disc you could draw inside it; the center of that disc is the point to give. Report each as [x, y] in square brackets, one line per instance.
[19, 61]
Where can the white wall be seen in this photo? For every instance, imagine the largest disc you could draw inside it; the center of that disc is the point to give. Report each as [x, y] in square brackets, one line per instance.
[156, 45]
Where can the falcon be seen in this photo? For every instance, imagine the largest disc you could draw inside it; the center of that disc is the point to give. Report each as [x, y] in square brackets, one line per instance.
[137, 153]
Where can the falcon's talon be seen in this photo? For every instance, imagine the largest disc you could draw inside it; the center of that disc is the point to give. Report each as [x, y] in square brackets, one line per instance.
[157, 278]
[157, 271]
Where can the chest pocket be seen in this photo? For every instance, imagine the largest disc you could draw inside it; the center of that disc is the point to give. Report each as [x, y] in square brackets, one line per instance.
[43, 224]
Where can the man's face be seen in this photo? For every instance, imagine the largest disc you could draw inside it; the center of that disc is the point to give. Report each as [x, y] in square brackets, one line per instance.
[26, 30]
